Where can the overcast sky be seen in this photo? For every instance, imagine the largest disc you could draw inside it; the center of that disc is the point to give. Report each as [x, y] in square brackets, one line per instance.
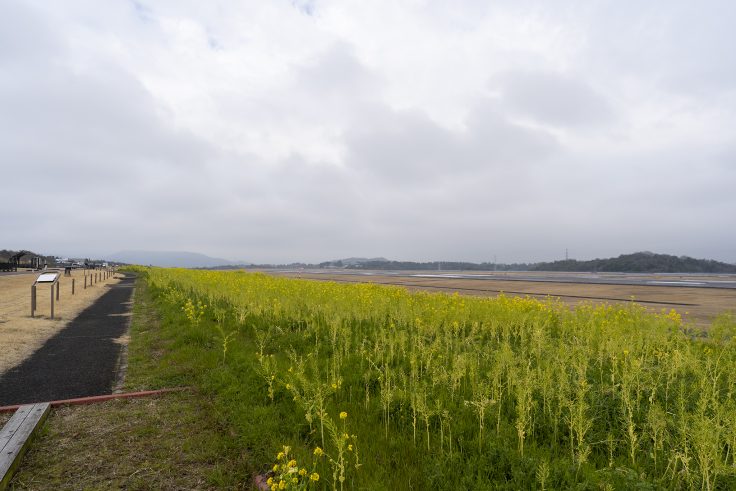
[277, 131]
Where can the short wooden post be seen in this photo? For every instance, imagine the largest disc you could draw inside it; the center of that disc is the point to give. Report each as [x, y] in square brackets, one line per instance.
[72, 286]
[52, 301]
[85, 280]
[33, 300]
[58, 287]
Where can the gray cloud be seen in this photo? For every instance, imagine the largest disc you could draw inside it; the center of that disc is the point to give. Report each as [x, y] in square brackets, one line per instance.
[300, 131]
[555, 99]
[405, 147]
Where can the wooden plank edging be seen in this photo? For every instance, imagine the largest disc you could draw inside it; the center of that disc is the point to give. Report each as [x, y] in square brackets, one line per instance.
[16, 435]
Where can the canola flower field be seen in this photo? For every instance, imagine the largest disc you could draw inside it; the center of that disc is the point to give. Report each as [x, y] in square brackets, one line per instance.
[374, 387]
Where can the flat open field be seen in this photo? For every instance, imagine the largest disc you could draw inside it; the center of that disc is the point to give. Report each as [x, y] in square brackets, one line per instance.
[20, 334]
[686, 294]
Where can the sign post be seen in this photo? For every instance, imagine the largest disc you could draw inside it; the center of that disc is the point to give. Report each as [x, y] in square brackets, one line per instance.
[50, 279]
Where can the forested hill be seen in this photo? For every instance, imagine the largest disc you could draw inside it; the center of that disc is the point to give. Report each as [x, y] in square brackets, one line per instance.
[640, 262]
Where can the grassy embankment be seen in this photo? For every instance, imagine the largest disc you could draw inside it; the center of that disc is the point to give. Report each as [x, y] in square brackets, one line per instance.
[448, 392]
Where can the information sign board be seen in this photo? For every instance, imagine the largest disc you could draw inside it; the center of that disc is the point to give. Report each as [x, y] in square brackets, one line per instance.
[47, 278]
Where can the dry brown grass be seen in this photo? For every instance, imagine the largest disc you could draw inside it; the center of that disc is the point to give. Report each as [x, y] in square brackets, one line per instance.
[21, 335]
[159, 442]
[697, 305]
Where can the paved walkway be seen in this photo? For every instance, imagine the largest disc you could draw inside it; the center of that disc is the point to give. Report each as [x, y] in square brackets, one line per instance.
[78, 361]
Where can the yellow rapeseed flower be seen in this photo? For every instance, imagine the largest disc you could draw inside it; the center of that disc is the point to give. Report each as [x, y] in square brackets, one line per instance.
[291, 463]
[343, 415]
[318, 452]
[280, 456]
[302, 472]
[276, 468]
[314, 476]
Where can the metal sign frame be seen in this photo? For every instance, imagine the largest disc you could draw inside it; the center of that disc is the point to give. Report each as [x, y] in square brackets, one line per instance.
[50, 278]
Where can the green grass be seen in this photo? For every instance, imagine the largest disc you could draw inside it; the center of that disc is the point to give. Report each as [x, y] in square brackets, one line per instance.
[165, 351]
[580, 393]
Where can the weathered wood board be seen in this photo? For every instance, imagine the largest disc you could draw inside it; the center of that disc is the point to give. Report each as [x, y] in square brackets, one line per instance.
[15, 437]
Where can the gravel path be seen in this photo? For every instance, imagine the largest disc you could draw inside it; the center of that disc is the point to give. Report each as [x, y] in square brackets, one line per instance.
[78, 361]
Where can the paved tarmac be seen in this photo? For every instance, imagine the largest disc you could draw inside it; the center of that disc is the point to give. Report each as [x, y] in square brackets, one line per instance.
[78, 361]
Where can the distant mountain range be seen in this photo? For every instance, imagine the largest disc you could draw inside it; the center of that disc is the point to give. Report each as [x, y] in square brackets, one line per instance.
[170, 259]
[355, 261]
[639, 262]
